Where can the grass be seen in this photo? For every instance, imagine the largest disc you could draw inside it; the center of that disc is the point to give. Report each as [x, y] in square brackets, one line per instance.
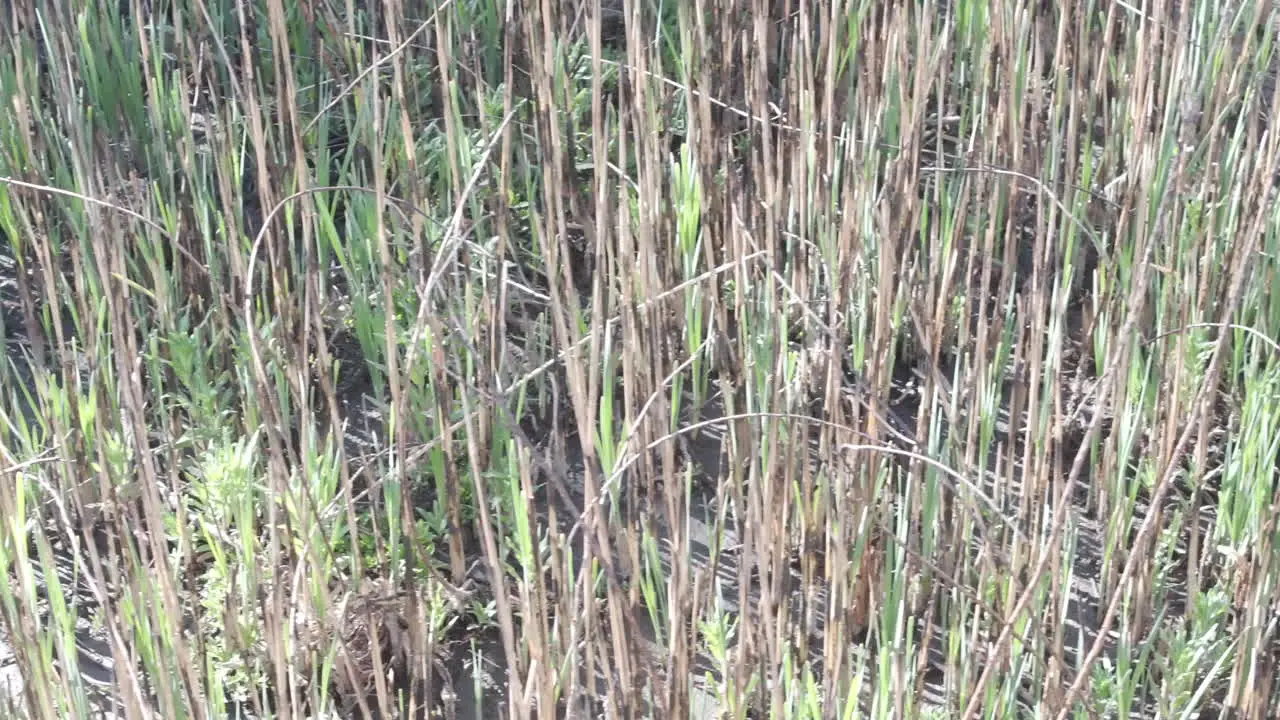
[642, 359]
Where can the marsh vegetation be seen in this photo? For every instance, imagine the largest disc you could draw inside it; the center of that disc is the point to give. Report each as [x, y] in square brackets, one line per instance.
[639, 359]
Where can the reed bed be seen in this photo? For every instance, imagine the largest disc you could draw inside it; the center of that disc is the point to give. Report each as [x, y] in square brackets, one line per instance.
[639, 359]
